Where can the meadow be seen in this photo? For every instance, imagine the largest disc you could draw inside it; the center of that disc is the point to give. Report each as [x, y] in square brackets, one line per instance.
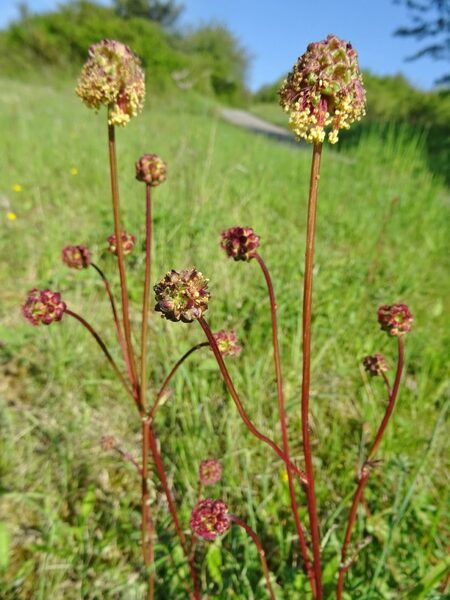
[70, 512]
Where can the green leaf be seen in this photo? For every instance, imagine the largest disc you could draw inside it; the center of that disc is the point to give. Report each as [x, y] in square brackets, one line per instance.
[4, 546]
[426, 584]
[214, 563]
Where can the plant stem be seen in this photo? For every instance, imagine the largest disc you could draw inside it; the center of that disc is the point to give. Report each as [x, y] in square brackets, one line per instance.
[282, 416]
[172, 509]
[105, 350]
[147, 528]
[261, 552]
[306, 372]
[145, 304]
[115, 315]
[233, 393]
[366, 469]
[120, 261]
[172, 372]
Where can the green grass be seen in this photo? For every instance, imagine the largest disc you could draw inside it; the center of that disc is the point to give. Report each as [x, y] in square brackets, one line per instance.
[70, 511]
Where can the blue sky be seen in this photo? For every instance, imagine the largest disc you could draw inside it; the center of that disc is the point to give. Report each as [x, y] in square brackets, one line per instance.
[276, 32]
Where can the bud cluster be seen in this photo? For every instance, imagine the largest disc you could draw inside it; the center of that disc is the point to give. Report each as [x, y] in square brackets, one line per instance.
[43, 306]
[375, 364]
[210, 471]
[128, 242]
[240, 243]
[227, 342]
[210, 519]
[151, 169]
[395, 319]
[76, 257]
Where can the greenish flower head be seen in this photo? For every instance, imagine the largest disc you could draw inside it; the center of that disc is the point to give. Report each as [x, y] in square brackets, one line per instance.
[112, 77]
[182, 296]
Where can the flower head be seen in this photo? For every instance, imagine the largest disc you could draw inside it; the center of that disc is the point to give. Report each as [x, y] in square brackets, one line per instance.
[11, 216]
[112, 76]
[108, 442]
[43, 306]
[395, 319]
[210, 471]
[227, 342]
[151, 169]
[240, 243]
[128, 242]
[210, 519]
[76, 257]
[182, 296]
[375, 364]
[324, 92]
[17, 188]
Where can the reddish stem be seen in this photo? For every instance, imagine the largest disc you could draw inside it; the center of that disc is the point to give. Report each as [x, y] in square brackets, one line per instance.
[173, 510]
[233, 393]
[306, 372]
[172, 372]
[120, 260]
[366, 470]
[105, 350]
[147, 528]
[282, 416]
[261, 552]
[145, 304]
[115, 315]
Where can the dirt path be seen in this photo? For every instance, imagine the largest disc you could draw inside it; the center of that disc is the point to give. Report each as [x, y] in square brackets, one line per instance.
[242, 118]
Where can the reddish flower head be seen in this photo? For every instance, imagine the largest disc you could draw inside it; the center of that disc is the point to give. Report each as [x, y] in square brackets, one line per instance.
[210, 471]
[128, 243]
[182, 296]
[396, 319]
[324, 92]
[76, 257]
[210, 519]
[43, 307]
[240, 243]
[375, 364]
[151, 169]
[227, 342]
[108, 442]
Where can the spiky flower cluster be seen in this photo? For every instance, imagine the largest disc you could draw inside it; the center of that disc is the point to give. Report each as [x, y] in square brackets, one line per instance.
[112, 76]
[395, 319]
[182, 296]
[375, 364]
[76, 257]
[210, 519]
[151, 169]
[128, 242]
[210, 471]
[324, 91]
[240, 243]
[43, 306]
[227, 342]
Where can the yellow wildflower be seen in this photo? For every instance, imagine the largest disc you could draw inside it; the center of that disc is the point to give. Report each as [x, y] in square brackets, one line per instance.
[17, 187]
[11, 216]
[73, 171]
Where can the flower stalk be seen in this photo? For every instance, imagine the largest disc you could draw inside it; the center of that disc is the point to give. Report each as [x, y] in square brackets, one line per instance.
[120, 261]
[367, 469]
[283, 422]
[242, 412]
[306, 371]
